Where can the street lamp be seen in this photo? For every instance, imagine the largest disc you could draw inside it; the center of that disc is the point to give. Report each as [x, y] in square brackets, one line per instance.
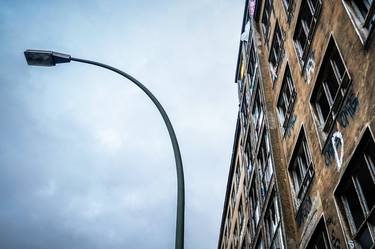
[50, 58]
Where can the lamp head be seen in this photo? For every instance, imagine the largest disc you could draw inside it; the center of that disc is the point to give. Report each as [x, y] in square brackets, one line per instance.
[45, 58]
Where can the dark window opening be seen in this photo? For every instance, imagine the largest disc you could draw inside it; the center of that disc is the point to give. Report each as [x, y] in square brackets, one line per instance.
[307, 19]
[276, 51]
[254, 209]
[266, 19]
[286, 98]
[252, 61]
[363, 11]
[265, 163]
[331, 87]
[301, 168]
[319, 240]
[355, 193]
[273, 224]
[257, 114]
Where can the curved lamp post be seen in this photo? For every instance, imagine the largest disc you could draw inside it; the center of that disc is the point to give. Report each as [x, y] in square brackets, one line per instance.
[50, 58]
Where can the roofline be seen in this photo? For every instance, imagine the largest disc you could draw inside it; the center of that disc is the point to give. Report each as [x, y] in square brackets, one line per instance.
[230, 177]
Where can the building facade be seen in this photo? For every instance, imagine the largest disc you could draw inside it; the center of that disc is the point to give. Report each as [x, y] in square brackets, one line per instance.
[302, 172]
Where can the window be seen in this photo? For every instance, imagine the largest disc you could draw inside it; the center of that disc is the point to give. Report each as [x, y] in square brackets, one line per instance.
[306, 22]
[244, 116]
[362, 13]
[355, 193]
[235, 235]
[286, 98]
[273, 225]
[301, 168]
[252, 62]
[245, 243]
[288, 7]
[319, 239]
[249, 233]
[265, 163]
[276, 51]
[238, 176]
[331, 87]
[241, 73]
[247, 158]
[254, 209]
[229, 216]
[266, 19]
[240, 214]
[233, 196]
[257, 114]
[260, 243]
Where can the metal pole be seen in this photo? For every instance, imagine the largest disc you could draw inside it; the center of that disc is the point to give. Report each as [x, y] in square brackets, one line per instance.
[179, 240]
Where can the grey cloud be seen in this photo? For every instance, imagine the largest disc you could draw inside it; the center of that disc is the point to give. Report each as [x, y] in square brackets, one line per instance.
[85, 159]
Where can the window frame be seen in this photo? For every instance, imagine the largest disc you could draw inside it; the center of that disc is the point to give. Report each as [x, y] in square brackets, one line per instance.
[359, 159]
[266, 163]
[321, 91]
[257, 114]
[248, 158]
[364, 25]
[254, 207]
[277, 55]
[271, 238]
[309, 31]
[286, 85]
[253, 62]
[244, 113]
[288, 8]
[266, 19]
[307, 174]
[320, 229]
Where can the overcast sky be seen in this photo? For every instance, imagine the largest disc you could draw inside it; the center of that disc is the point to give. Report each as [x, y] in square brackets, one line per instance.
[85, 158]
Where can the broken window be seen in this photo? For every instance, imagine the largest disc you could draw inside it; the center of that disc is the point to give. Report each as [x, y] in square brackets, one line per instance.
[265, 163]
[286, 98]
[330, 88]
[307, 19]
[319, 239]
[266, 19]
[257, 114]
[273, 225]
[301, 169]
[363, 11]
[276, 51]
[355, 193]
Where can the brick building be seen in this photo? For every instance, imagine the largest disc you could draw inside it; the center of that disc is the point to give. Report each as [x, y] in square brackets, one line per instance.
[302, 173]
